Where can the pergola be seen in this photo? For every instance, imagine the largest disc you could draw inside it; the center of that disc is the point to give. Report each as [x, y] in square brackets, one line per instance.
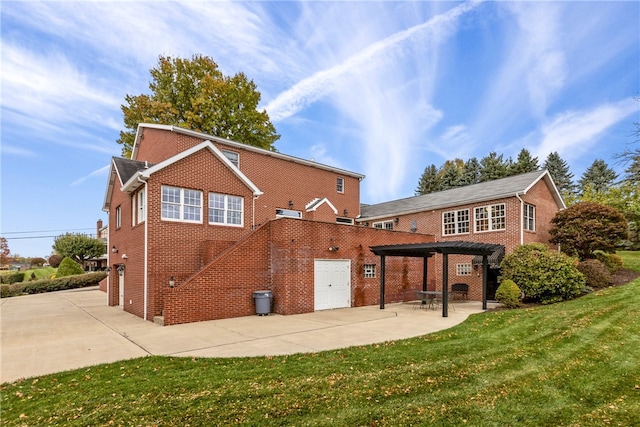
[427, 250]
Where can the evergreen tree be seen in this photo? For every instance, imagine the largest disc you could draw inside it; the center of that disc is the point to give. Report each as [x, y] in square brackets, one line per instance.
[429, 181]
[451, 173]
[633, 171]
[525, 163]
[599, 177]
[493, 167]
[470, 172]
[559, 171]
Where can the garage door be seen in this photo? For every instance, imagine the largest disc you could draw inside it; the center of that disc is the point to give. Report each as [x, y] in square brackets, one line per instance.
[332, 284]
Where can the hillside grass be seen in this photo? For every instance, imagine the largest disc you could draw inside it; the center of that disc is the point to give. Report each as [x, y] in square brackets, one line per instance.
[40, 273]
[574, 363]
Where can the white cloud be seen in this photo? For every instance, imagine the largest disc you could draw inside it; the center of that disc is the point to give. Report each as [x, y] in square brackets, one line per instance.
[572, 133]
[16, 151]
[101, 172]
[316, 86]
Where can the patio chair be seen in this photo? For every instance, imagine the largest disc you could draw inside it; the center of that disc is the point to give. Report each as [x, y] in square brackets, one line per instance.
[424, 301]
[459, 289]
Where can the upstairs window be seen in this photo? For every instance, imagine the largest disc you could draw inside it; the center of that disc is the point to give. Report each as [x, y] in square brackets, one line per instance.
[385, 225]
[142, 208]
[226, 209]
[233, 157]
[340, 185]
[455, 222]
[490, 218]
[529, 217]
[118, 217]
[181, 204]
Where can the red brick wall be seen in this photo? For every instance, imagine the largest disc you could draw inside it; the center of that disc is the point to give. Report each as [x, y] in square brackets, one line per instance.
[279, 257]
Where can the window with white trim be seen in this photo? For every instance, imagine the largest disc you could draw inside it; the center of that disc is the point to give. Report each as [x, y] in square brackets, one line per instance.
[288, 213]
[226, 209]
[142, 209]
[385, 225]
[340, 184]
[463, 269]
[233, 157]
[369, 271]
[455, 222]
[181, 204]
[529, 217]
[490, 218]
[118, 217]
[341, 220]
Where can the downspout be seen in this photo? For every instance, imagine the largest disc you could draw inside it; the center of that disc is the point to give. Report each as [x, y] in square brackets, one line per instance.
[146, 245]
[253, 211]
[521, 219]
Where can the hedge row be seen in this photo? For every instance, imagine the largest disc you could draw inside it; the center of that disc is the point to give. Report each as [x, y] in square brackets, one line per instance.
[12, 278]
[49, 285]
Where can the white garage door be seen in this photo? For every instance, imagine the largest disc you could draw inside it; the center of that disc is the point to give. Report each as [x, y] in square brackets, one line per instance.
[332, 284]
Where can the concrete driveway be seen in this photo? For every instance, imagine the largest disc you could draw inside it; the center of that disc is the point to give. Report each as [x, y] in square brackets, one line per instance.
[58, 331]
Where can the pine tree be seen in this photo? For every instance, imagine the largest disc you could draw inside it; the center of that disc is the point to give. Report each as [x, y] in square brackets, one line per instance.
[493, 167]
[429, 181]
[598, 176]
[525, 163]
[559, 171]
[450, 174]
[470, 172]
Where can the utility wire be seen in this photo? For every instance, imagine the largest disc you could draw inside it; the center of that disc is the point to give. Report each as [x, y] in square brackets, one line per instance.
[44, 231]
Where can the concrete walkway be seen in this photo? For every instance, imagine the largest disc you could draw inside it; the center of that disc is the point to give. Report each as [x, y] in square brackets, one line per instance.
[58, 331]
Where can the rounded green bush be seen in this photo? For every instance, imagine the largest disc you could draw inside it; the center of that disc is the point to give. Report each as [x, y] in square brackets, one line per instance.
[543, 275]
[508, 294]
[68, 267]
[595, 273]
[612, 261]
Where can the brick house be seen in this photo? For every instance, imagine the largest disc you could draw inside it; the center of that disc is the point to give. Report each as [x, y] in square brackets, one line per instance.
[198, 223]
[509, 211]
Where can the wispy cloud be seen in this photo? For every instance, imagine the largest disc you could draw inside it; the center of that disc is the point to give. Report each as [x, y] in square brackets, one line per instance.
[573, 133]
[323, 82]
[101, 172]
[16, 151]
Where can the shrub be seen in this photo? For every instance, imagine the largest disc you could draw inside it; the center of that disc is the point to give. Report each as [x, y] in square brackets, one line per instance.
[12, 277]
[543, 275]
[55, 260]
[612, 261]
[508, 294]
[47, 285]
[68, 267]
[595, 273]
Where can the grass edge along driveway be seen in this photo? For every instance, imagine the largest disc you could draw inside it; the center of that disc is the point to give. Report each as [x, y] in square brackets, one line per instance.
[575, 363]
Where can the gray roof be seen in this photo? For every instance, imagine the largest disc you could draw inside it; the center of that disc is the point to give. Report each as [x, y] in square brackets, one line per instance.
[127, 168]
[484, 191]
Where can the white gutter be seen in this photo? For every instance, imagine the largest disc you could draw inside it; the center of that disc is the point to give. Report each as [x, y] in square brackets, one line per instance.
[521, 218]
[146, 247]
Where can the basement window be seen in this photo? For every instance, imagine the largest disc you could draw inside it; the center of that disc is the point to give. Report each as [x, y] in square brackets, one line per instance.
[288, 213]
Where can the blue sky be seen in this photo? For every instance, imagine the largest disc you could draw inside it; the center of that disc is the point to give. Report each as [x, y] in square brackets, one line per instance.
[380, 88]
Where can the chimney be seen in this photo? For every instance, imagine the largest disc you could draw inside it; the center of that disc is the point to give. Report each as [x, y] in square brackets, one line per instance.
[98, 228]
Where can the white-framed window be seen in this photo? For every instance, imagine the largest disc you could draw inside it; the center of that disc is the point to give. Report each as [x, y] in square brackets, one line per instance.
[529, 217]
[385, 225]
[340, 185]
[369, 271]
[233, 157]
[455, 222]
[463, 269]
[119, 217]
[142, 208]
[226, 209]
[289, 213]
[341, 220]
[181, 204]
[490, 218]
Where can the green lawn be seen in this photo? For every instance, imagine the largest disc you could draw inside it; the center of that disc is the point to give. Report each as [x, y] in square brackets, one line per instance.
[575, 363]
[40, 273]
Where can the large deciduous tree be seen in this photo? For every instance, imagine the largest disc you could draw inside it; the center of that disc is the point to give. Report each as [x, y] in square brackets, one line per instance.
[4, 251]
[586, 227]
[196, 95]
[78, 247]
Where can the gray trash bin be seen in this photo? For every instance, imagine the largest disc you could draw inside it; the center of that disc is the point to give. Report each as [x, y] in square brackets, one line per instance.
[263, 302]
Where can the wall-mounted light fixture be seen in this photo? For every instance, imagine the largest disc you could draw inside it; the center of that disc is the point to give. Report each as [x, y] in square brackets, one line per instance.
[114, 249]
[108, 270]
[124, 256]
[346, 212]
[120, 268]
[397, 220]
[290, 204]
[172, 282]
[333, 248]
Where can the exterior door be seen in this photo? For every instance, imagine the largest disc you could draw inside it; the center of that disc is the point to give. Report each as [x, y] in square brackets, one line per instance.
[332, 284]
[121, 288]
